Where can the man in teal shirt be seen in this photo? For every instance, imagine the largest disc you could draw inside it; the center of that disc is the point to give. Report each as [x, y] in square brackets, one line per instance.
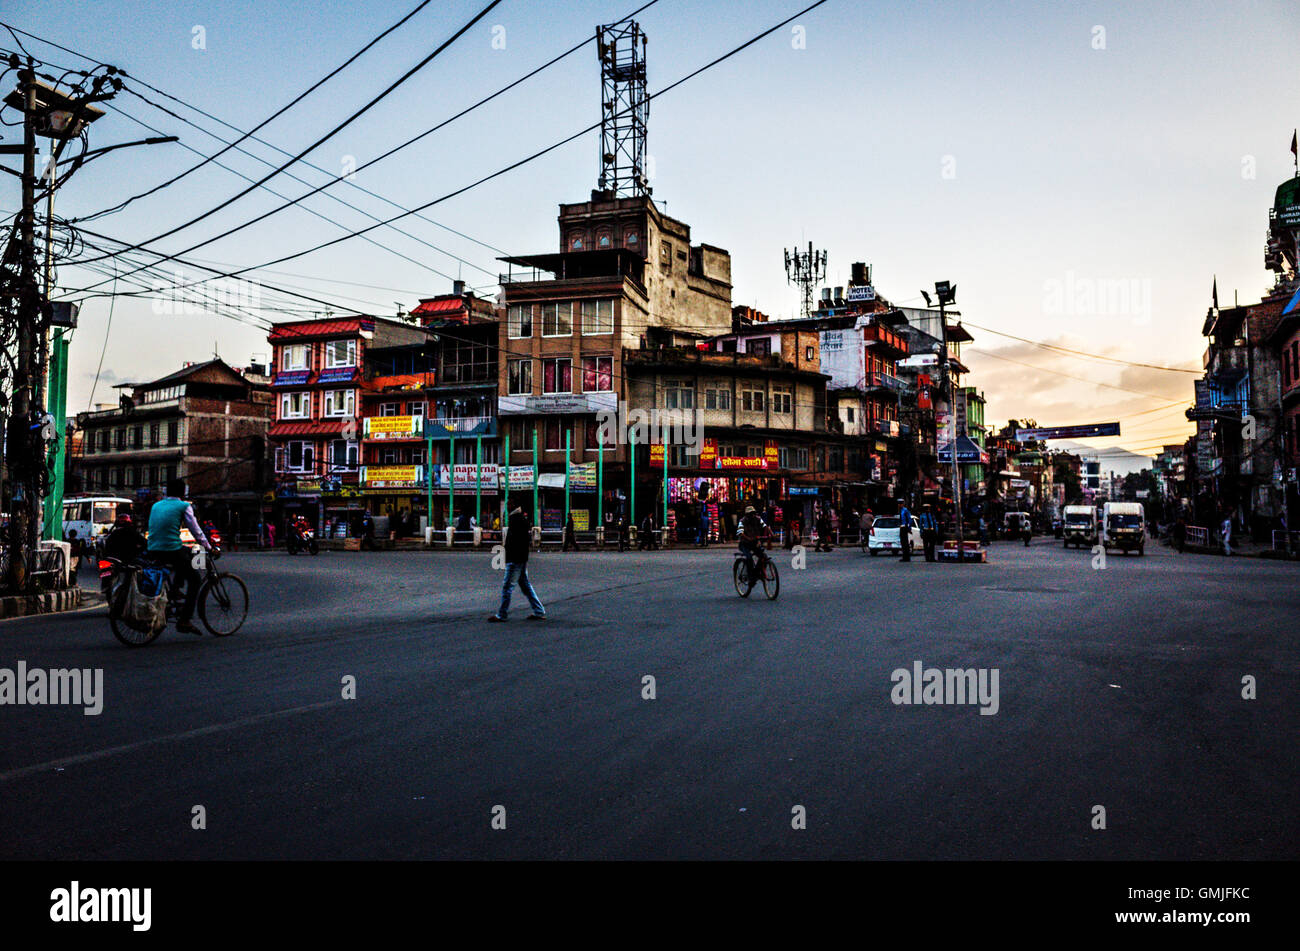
[165, 546]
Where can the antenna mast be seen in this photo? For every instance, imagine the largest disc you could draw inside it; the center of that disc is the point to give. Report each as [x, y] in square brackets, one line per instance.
[807, 269]
[624, 109]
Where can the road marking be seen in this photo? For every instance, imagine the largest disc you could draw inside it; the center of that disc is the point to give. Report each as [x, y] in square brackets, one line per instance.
[171, 737]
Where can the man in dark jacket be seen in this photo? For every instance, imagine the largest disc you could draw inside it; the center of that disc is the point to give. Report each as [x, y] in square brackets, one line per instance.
[519, 536]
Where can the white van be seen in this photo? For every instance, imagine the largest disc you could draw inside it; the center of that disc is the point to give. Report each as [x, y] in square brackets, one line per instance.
[1123, 526]
[92, 517]
[1080, 527]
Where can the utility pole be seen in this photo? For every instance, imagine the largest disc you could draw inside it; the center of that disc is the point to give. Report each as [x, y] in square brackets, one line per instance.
[947, 295]
[22, 460]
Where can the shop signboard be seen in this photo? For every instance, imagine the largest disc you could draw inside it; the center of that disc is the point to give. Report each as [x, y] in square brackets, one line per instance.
[745, 463]
[582, 477]
[521, 478]
[708, 454]
[308, 487]
[550, 403]
[393, 427]
[581, 520]
[392, 477]
[467, 475]
[771, 455]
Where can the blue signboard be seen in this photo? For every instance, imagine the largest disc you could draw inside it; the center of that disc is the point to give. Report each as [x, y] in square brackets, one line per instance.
[337, 375]
[1068, 432]
[293, 378]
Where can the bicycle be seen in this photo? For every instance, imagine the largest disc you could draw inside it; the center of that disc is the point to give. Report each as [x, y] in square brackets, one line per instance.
[222, 600]
[767, 574]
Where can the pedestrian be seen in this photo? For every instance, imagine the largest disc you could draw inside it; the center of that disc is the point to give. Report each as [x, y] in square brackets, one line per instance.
[824, 530]
[622, 528]
[570, 538]
[905, 531]
[929, 531]
[865, 522]
[1225, 531]
[984, 532]
[270, 534]
[1179, 534]
[702, 539]
[519, 534]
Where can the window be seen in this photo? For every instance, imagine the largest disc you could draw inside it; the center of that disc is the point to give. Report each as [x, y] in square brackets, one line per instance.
[103, 440]
[294, 406]
[848, 413]
[808, 353]
[717, 398]
[341, 353]
[556, 429]
[666, 255]
[300, 456]
[155, 435]
[575, 243]
[597, 374]
[792, 458]
[598, 317]
[388, 456]
[557, 319]
[679, 394]
[521, 435]
[389, 409]
[603, 240]
[782, 402]
[173, 432]
[343, 454]
[631, 239]
[762, 347]
[417, 410]
[137, 437]
[294, 357]
[519, 377]
[467, 361]
[751, 401]
[557, 375]
[519, 321]
[417, 456]
[340, 403]
[677, 456]
[119, 438]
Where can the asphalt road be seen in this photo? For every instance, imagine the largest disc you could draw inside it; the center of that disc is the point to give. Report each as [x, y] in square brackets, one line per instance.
[1119, 688]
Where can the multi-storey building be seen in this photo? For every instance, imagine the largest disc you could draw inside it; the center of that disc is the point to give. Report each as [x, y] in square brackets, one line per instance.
[206, 423]
[439, 386]
[317, 429]
[627, 278]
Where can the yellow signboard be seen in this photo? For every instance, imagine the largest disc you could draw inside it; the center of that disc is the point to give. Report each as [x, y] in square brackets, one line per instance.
[394, 427]
[393, 476]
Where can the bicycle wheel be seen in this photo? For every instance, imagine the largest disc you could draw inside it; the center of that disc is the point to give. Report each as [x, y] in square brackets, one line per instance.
[740, 574]
[771, 580]
[123, 631]
[223, 604]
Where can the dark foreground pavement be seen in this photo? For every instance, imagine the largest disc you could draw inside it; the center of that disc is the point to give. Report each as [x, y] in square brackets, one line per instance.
[1119, 688]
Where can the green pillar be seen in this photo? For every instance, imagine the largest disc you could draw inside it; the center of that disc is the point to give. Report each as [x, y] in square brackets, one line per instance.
[631, 480]
[537, 515]
[428, 483]
[451, 480]
[568, 448]
[600, 483]
[478, 481]
[58, 404]
[665, 489]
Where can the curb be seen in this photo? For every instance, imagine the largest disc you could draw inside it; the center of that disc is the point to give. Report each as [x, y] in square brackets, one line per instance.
[51, 602]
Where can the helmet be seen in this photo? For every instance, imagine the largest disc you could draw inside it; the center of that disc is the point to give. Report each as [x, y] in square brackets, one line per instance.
[749, 510]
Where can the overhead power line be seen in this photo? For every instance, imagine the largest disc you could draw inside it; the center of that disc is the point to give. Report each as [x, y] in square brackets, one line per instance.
[517, 164]
[374, 101]
[271, 118]
[1080, 353]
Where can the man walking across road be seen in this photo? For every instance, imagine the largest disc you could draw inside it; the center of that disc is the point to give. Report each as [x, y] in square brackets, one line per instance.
[519, 536]
[1225, 530]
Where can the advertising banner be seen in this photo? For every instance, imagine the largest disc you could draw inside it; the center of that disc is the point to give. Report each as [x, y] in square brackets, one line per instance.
[582, 477]
[467, 476]
[1068, 432]
[521, 477]
[394, 427]
[392, 477]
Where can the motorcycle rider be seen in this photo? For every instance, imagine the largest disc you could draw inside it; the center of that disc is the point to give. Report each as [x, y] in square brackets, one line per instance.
[165, 546]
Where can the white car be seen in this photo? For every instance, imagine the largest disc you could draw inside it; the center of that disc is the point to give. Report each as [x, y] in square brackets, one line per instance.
[884, 535]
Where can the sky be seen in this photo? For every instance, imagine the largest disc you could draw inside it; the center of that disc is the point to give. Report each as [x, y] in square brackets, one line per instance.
[1081, 171]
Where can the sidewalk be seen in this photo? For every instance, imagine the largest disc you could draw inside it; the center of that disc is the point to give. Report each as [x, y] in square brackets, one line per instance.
[51, 602]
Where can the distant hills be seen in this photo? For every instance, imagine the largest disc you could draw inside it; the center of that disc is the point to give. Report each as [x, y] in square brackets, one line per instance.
[1113, 458]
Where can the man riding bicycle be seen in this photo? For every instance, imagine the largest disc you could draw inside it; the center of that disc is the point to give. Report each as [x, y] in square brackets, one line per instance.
[165, 546]
[752, 531]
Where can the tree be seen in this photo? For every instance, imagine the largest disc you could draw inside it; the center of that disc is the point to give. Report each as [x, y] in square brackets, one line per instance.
[1062, 473]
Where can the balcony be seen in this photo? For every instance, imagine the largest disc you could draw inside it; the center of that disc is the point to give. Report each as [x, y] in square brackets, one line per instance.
[461, 426]
[884, 339]
[883, 381]
[1227, 364]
